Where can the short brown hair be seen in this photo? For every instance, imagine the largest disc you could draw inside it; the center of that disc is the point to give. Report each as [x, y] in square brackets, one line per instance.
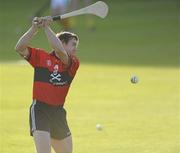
[65, 36]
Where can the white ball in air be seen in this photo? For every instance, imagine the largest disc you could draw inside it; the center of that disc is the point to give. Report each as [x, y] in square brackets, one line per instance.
[134, 79]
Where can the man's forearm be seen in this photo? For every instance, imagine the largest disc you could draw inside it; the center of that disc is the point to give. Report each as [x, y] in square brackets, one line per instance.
[53, 40]
[56, 44]
[25, 39]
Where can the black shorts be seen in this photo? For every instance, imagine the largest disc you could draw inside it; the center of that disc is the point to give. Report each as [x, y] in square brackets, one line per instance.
[44, 117]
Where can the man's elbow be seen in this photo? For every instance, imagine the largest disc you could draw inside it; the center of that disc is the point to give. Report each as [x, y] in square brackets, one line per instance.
[17, 48]
[65, 59]
[66, 62]
[63, 56]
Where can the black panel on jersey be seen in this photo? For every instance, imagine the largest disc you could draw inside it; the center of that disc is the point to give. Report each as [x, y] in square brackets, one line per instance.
[44, 75]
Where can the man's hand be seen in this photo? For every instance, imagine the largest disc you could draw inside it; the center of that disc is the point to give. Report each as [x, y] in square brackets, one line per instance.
[39, 22]
[47, 20]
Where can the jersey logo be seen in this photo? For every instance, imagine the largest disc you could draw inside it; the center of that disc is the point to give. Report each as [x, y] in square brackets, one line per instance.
[55, 77]
[48, 63]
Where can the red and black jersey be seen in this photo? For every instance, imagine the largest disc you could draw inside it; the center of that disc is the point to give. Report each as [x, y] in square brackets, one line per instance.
[52, 78]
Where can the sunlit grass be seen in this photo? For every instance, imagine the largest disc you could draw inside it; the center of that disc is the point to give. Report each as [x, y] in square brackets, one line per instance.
[141, 117]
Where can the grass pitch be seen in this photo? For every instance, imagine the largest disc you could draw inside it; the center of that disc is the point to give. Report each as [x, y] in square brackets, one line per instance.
[141, 117]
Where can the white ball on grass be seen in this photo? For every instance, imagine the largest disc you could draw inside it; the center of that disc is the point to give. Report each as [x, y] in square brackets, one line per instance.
[98, 127]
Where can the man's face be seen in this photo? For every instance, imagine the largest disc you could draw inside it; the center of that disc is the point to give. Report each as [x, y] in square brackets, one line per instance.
[71, 46]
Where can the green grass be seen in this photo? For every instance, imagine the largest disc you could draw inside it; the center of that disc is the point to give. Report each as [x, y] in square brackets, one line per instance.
[135, 118]
[138, 37]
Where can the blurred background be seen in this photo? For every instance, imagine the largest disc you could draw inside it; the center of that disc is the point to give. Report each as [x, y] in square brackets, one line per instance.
[140, 32]
[138, 37]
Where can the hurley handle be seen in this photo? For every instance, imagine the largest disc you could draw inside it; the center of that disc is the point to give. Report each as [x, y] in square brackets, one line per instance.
[55, 18]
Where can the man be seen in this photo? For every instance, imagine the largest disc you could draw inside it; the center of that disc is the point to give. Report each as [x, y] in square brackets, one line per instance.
[54, 73]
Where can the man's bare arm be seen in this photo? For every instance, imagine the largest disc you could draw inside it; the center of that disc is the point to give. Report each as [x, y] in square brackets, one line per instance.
[57, 45]
[55, 42]
[22, 44]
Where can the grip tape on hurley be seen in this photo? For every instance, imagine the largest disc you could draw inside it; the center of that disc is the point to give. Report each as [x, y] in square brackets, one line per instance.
[56, 18]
